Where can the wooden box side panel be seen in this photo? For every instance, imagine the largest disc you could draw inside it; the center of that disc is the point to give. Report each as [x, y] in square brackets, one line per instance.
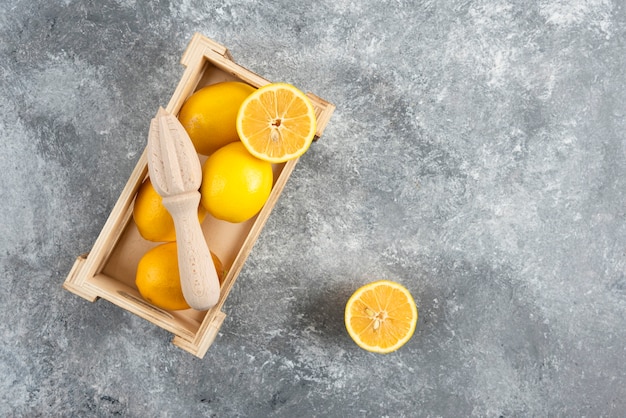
[94, 261]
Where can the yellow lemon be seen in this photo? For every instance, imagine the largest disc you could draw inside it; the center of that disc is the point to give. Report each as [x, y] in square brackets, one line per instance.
[235, 184]
[381, 316]
[210, 115]
[153, 220]
[158, 280]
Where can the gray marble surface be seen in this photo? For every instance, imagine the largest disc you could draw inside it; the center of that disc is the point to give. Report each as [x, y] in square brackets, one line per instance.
[477, 155]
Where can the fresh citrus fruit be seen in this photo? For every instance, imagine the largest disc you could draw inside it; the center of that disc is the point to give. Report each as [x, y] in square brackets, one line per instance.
[158, 280]
[235, 184]
[381, 316]
[209, 115]
[276, 122]
[153, 220]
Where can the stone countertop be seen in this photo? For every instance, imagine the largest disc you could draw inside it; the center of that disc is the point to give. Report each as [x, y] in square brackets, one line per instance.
[477, 156]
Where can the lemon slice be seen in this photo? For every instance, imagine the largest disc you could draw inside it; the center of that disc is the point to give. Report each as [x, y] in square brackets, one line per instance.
[381, 316]
[276, 123]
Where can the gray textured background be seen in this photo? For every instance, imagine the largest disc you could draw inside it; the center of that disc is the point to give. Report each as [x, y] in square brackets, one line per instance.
[477, 155]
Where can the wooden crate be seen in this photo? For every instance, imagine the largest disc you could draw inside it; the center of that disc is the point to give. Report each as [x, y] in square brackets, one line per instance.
[108, 270]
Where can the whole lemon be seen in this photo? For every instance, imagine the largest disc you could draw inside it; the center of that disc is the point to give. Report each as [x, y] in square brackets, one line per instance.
[210, 115]
[158, 279]
[235, 184]
[153, 220]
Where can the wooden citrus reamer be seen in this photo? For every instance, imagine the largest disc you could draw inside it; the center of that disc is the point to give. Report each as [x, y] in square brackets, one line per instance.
[176, 174]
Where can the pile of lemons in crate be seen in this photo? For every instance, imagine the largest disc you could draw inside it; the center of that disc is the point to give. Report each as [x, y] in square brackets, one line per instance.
[242, 131]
